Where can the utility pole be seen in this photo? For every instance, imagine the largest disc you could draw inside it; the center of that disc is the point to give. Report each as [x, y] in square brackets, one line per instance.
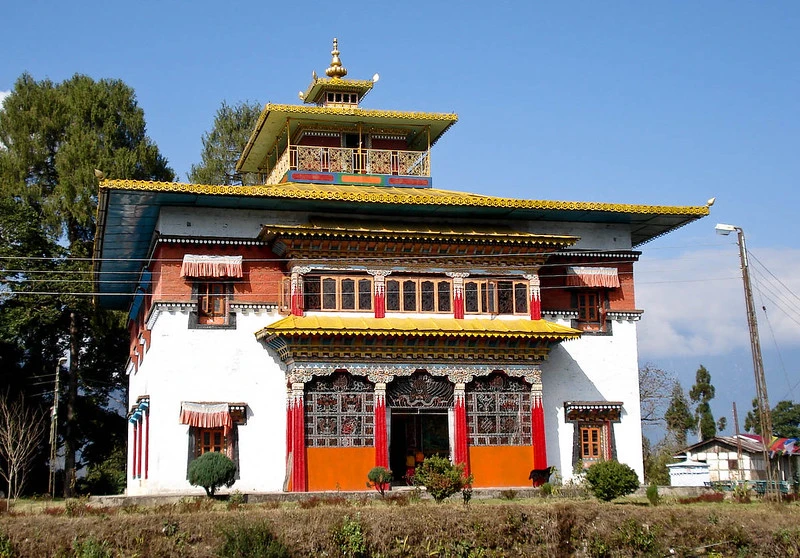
[762, 400]
[738, 442]
[51, 484]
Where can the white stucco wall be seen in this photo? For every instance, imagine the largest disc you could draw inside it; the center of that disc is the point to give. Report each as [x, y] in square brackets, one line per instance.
[211, 366]
[594, 368]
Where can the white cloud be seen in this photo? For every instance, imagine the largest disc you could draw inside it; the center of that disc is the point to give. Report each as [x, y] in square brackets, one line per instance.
[3, 95]
[694, 303]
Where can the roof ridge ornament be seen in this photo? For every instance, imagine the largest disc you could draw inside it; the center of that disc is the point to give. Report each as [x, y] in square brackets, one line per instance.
[336, 70]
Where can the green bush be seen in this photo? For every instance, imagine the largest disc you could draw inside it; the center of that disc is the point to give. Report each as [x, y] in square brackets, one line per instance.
[611, 479]
[212, 470]
[441, 478]
[7, 549]
[546, 490]
[652, 495]
[258, 541]
[350, 539]
[379, 478]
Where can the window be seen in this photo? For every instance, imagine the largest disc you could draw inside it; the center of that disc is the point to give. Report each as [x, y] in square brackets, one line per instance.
[212, 306]
[418, 295]
[591, 442]
[489, 296]
[340, 412]
[337, 293]
[498, 411]
[209, 439]
[591, 311]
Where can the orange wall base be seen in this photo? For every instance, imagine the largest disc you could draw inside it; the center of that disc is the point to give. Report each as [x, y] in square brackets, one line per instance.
[339, 468]
[494, 466]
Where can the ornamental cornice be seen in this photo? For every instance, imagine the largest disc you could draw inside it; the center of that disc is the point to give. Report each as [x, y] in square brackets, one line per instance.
[207, 241]
[357, 111]
[384, 373]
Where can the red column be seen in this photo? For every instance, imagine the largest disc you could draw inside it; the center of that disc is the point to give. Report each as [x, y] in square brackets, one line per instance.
[458, 294]
[460, 452]
[381, 442]
[297, 294]
[147, 442]
[289, 424]
[380, 296]
[139, 463]
[537, 424]
[299, 482]
[135, 460]
[535, 296]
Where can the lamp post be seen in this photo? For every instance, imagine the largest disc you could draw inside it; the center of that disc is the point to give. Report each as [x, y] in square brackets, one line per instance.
[51, 484]
[762, 400]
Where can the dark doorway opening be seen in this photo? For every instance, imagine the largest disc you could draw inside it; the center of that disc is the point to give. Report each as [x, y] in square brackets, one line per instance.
[416, 435]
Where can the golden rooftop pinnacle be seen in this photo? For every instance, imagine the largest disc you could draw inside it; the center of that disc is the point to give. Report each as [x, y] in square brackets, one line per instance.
[336, 70]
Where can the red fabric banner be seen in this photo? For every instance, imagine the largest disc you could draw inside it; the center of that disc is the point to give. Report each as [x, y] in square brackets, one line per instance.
[539, 442]
[299, 481]
[381, 445]
[460, 453]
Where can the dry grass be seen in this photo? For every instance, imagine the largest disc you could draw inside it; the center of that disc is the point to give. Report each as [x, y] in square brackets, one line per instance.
[419, 528]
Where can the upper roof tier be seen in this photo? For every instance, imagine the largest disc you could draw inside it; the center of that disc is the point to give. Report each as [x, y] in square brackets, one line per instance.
[332, 103]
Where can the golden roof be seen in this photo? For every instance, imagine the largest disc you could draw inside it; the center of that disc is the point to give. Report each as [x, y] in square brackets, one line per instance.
[399, 196]
[418, 327]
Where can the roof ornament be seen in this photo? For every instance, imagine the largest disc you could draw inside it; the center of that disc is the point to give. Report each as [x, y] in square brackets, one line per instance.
[336, 70]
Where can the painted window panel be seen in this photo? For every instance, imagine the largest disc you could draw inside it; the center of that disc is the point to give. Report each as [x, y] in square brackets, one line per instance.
[340, 412]
[498, 411]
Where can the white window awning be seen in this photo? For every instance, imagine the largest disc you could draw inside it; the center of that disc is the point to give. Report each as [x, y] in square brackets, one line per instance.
[584, 276]
[211, 266]
[206, 415]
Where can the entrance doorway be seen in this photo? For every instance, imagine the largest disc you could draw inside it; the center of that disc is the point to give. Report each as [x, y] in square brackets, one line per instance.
[416, 434]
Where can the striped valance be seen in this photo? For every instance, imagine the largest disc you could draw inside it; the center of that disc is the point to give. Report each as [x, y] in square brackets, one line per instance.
[206, 415]
[583, 276]
[211, 266]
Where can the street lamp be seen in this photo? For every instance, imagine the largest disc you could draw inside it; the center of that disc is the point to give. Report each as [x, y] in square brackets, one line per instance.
[762, 400]
[51, 484]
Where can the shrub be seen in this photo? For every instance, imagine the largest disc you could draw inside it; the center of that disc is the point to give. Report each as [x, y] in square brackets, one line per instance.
[441, 478]
[379, 478]
[251, 540]
[652, 495]
[349, 538]
[7, 549]
[611, 479]
[212, 470]
[508, 494]
[546, 490]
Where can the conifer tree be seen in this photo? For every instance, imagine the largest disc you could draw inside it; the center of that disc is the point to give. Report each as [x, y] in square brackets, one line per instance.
[224, 144]
[52, 138]
[702, 393]
[679, 417]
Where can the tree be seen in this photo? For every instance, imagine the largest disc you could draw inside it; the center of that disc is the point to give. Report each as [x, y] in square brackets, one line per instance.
[54, 136]
[785, 420]
[212, 471]
[379, 479]
[21, 431]
[702, 393]
[611, 479]
[655, 388]
[441, 478]
[678, 417]
[224, 144]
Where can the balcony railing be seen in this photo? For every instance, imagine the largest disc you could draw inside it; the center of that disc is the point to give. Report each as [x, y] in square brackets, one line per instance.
[347, 160]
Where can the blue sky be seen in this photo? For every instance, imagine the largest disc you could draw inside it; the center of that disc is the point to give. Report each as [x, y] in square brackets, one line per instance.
[633, 102]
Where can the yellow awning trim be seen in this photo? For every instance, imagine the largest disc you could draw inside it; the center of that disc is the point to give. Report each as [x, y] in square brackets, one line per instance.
[418, 327]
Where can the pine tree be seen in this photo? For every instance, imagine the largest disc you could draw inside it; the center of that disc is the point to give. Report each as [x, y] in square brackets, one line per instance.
[54, 136]
[679, 417]
[702, 393]
[224, 144]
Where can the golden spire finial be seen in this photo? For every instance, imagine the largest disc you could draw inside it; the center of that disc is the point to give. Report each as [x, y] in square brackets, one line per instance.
[336, 70]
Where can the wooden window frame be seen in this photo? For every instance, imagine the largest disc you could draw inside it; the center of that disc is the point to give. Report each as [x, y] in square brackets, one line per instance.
[213, 434]
[490, 293]
[591, 447]
[338, 293]
[418, 294]
[220, 318]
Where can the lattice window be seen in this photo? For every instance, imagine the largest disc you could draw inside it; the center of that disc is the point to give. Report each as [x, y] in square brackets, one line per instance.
[498, 411]
[340, 412]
